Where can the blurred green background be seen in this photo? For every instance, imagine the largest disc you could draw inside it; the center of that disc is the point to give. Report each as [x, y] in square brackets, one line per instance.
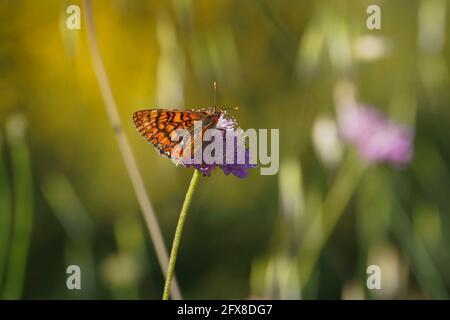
[309, 232]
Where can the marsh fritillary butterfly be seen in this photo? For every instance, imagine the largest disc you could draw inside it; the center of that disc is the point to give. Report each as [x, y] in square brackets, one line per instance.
[157, 126]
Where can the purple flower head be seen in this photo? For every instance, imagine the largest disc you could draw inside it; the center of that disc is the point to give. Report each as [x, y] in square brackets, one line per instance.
[376, 138]
[227, 127]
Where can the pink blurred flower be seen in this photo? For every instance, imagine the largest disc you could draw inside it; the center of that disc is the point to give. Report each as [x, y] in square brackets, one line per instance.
[376, 138]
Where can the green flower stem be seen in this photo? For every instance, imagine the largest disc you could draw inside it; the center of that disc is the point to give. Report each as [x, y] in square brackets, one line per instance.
[22, 209]
[178, 234]
[5, 216]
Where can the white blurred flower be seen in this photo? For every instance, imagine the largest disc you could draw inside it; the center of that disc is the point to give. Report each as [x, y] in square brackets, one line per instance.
[282, 278]
[120, 270]
[16, 126]
[393, 274]
[370, 48]
[326, 141]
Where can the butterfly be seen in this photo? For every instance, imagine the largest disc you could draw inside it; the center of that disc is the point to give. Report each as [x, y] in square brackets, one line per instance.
[158, 127]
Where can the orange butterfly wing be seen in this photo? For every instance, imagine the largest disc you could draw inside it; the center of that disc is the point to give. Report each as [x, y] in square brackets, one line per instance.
[157, 125]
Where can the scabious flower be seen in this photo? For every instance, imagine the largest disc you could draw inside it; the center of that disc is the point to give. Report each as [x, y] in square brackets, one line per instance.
[376, 138]
[229, 130]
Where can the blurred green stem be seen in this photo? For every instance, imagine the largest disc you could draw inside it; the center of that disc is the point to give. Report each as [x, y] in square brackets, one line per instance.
[179, 232]
[23, 209]
[5, 216]
[422, 263]
[321, 228]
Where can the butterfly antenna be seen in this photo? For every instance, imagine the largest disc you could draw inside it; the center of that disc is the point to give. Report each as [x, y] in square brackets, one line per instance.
[214, 98]
[214, 93]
